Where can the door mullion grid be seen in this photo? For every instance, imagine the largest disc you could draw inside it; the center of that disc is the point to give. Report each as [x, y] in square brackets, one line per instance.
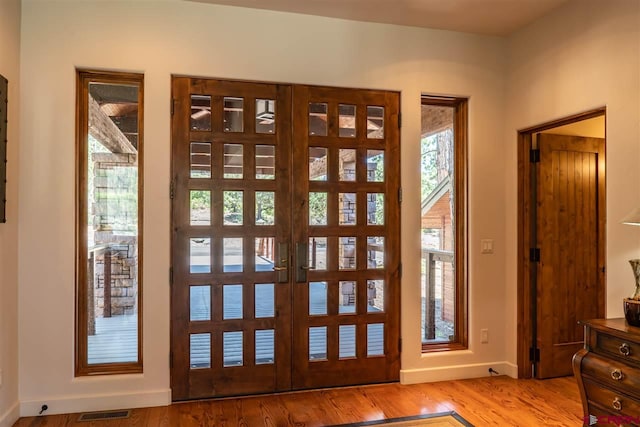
[292, 181]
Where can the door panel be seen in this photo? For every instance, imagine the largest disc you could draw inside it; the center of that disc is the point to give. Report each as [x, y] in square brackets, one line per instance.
[231, 321]
[285, 237]
[346, 164]
[571, 239]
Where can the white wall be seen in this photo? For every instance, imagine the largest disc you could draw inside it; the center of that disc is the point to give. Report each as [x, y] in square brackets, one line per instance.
[10, 69]
[161, 38]
[584, 55]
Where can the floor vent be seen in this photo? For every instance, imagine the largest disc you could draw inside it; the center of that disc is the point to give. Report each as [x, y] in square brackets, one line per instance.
[105, 415]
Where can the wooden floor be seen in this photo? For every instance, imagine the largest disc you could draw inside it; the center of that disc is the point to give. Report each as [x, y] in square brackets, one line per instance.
[497, 401]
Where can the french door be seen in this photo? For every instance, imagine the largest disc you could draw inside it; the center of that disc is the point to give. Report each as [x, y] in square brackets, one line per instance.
[285, 237]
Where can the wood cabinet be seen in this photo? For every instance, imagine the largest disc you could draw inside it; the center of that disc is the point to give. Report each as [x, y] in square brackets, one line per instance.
[608, 372]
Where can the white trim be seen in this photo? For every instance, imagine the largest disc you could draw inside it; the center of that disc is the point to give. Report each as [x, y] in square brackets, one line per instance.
[96, 402]
[445, 373]
[11, 416]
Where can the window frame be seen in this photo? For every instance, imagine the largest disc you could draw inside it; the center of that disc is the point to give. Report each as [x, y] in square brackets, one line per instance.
[84, 77]
[461, 137]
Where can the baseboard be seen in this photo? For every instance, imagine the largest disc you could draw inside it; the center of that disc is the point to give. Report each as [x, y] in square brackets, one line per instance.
[11, 416]
[458, 372]
[96, 402]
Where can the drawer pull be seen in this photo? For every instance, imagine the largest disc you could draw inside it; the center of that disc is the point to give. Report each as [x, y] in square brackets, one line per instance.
[617, 404]
[625, 350]
[616, 374]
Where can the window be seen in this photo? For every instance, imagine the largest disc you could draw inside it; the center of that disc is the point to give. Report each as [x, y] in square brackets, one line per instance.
[444, 222]
[109, 112]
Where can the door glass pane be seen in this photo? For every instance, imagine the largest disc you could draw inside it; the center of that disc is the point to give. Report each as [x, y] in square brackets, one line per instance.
[375, 296]
[375, 165]
[347, 164]
[233, 161]
[265, 346]
[347, 253]
[200, 255]
[375, 339]
[347, 208]
[317, 298]
[232, 351]
[199, 351]
[317, 164]
[265, 116]
[347, 120]
[265, 300]
[318, 119]
[265, 162]
[200, 112]
[231, 302]
[232, 261]
[200, 207]
[347, 297]
[375, 208]
[317, 253]
[317, 208]
[265, 207]
[318, 343]
[265, 253]
[200, 160]
[347, 341]
[200, 303]
[375, 252]
[233, 114]
[233, 201]
[375, 122]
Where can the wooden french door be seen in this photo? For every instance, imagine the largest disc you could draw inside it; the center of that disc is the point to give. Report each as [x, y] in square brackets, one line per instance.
[285, 237]
[570, 234]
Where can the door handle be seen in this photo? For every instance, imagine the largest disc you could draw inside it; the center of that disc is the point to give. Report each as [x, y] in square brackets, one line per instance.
[281, 268]
[302, 256]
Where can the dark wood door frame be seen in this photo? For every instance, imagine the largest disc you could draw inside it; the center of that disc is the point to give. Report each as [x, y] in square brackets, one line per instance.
[526, 274]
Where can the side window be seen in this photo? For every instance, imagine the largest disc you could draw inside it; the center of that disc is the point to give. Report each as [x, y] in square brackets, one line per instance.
[109, 114]
[444, 223]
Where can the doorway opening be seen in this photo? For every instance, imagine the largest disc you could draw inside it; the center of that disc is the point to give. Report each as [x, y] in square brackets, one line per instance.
[561, 239]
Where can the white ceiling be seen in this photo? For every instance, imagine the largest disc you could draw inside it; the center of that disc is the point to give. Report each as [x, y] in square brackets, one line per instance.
[492, 17]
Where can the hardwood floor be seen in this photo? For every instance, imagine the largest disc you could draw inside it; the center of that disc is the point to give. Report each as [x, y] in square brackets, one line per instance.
[500, 401]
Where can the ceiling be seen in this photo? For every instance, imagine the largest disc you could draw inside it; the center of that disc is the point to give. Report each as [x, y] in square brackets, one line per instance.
[491, 17]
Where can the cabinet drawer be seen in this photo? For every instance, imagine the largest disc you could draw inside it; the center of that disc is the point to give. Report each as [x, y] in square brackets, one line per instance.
[611, 345]
[612, 372]
[610, 400]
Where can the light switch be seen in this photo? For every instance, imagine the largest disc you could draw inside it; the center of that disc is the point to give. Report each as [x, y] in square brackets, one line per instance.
[487, 246]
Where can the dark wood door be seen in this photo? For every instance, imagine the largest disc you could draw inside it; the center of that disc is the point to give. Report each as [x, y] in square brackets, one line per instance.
[264, 224]
[346, 233]
[571, 203]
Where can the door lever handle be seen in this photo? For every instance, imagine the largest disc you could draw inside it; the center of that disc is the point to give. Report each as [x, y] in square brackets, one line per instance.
[302, 256]
[282, 271]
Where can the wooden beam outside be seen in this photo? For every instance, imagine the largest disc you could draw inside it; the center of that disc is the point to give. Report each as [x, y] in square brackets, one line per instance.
[102, 128]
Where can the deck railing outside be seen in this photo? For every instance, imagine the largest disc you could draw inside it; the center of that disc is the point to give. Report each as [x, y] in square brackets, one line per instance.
[430, 257]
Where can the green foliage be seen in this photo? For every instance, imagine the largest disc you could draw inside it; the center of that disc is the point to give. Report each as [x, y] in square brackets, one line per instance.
[317, 208]
[200, 199]
[265, 209]
[428, 165]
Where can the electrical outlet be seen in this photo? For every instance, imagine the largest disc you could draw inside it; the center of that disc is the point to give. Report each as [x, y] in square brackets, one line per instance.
[484, 336]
